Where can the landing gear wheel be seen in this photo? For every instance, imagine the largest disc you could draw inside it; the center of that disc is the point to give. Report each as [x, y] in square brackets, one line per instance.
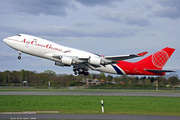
[19, 57]
[78, 70]
[86, 73]
[75, 73]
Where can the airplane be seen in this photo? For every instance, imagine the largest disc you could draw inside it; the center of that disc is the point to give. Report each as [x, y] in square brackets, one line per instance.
[83, 61]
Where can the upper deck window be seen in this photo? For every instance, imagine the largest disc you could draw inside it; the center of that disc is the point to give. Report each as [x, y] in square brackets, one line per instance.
[18, 35]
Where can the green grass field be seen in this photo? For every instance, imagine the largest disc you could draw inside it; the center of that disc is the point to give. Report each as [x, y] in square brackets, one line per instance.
[92, 104]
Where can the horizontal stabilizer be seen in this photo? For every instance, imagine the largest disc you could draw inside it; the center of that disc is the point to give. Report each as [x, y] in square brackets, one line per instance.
[159, 71]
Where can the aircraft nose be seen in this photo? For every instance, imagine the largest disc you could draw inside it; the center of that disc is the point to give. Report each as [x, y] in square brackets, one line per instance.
[5, 40]
[8, 42]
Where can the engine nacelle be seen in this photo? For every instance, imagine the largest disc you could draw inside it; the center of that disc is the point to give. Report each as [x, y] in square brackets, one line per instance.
[96, 61]
[59, 64]
[67, 61]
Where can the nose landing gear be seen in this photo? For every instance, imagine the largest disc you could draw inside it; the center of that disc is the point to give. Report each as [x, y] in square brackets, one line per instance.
[19, 57]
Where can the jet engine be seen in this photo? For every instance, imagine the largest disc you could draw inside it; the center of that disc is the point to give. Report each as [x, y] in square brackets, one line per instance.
[68, 61]
[60, 64]
[96, 61]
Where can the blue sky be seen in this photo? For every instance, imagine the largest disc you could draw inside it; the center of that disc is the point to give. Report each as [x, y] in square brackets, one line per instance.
[108, 27]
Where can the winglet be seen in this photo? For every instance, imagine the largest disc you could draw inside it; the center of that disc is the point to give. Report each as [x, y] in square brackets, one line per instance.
[142, 54]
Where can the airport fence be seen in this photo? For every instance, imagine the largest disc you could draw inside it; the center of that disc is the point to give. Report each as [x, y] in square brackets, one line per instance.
[89, 88]
[137, 88]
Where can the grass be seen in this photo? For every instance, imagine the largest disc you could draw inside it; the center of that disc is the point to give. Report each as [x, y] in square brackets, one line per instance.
[92, 104]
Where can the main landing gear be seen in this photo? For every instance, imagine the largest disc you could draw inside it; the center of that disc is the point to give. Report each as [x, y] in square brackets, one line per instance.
[19, 57]
[78, 70]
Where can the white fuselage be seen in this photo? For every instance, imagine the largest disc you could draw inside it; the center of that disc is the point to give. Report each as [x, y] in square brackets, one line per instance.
[46, 49]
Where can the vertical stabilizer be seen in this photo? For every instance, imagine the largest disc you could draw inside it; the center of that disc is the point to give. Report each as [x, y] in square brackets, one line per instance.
[158, 59]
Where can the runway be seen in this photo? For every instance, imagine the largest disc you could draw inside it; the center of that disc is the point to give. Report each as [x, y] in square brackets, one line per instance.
[93, 93]
[89, 117]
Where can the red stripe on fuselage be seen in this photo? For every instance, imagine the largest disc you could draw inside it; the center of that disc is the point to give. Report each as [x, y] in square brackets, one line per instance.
[13, 40]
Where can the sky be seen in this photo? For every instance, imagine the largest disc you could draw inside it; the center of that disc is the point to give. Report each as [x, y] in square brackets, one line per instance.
[107, 27]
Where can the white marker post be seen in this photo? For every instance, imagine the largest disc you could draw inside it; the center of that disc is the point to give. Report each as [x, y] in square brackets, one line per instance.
[102, 106]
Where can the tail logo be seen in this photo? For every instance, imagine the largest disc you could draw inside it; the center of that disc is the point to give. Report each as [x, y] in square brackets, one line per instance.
[160, 58]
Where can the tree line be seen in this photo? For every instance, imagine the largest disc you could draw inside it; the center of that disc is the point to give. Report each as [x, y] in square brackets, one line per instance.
[33, 78]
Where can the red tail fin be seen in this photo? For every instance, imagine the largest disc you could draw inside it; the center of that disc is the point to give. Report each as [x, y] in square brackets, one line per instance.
[158, 59]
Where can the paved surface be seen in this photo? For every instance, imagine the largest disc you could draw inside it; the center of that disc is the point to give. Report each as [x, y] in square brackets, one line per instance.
[93, 93]
[89, 117]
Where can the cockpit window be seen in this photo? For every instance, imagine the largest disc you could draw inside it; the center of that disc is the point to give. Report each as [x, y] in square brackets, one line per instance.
[18, 35]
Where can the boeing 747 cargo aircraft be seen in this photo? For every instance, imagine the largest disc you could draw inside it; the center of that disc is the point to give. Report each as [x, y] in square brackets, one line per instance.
[83, 61]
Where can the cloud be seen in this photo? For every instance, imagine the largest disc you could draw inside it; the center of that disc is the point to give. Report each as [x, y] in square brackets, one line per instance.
[140, 12]
[63, 31]
[129, 18]
[35, 7]
[83, 24]
[167, 8]
[160, 8]
[93, 3]
[9, 29]
[6, 57]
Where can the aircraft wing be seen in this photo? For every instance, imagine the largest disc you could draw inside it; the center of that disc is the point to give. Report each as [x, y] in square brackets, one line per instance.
[91, 60]
[125, 57]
